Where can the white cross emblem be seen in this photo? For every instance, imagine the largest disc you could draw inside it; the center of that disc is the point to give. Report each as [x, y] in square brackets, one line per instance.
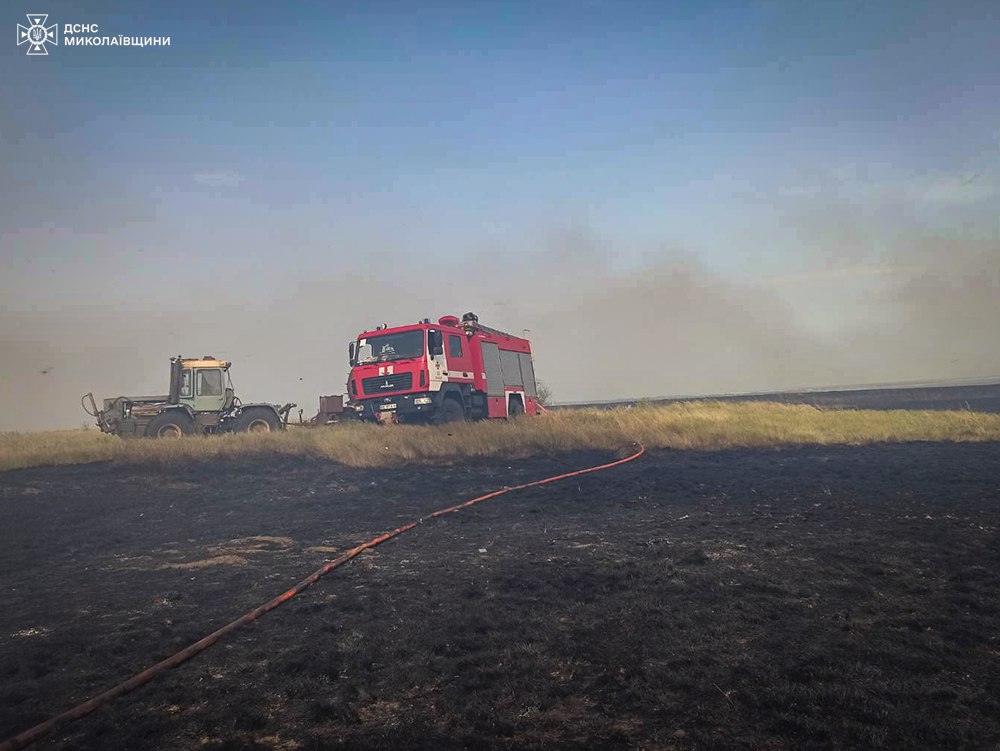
[37, 35]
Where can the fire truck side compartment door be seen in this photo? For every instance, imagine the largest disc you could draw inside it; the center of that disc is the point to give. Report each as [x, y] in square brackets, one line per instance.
[511, 368]
[491, 365]
[528, 373]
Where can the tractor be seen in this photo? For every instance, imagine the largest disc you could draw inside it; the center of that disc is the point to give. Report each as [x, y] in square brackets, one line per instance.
[201, 400]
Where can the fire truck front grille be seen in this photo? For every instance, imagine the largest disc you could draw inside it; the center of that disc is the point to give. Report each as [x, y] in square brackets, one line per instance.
[387, 384]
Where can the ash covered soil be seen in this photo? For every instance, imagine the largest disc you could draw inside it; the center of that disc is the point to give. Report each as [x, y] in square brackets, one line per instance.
[795, 598]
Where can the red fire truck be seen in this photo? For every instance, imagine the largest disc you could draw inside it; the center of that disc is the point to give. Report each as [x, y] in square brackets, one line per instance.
[441, 372]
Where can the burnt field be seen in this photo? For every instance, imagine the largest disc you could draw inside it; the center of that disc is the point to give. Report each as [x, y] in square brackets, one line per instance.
[835, 597]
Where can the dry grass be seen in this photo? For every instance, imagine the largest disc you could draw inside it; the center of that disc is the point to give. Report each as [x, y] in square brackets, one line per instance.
[218, 560]
[690, 425]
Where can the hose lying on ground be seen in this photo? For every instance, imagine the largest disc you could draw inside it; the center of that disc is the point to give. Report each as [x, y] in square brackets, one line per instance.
[83, 709]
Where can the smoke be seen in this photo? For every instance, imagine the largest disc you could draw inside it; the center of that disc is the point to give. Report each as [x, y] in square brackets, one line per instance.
[921, 306]
[671, 328]
[937, 314]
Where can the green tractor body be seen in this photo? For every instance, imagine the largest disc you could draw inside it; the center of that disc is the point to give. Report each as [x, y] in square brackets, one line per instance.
[201, 400]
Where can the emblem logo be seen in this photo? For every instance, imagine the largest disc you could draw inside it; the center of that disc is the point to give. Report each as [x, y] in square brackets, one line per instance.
[37, 35]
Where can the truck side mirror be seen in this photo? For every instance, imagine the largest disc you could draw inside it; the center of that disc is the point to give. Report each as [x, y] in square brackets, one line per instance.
[435, 343]
[350, 350]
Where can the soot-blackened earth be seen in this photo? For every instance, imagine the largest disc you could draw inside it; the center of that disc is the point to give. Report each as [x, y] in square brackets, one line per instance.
[791, 598]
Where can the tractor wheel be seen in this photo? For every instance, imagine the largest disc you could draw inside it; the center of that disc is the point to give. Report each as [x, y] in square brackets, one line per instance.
[451, 411]
[515, 409]
[257, 420]
[170, 424]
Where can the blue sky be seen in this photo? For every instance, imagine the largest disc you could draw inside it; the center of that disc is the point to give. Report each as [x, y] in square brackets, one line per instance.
[804, 146]
[616, 110]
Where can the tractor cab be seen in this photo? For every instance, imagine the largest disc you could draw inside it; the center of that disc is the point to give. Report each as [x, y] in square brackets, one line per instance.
[202, 385]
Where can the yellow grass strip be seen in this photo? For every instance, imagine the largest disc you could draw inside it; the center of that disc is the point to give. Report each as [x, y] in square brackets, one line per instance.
[690, 425]
[219, 560]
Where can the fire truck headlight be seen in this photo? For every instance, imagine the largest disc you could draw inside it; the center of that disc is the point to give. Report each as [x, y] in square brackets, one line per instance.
[423, 400]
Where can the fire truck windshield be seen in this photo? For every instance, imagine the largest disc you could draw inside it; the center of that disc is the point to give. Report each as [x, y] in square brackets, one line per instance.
[400, 346]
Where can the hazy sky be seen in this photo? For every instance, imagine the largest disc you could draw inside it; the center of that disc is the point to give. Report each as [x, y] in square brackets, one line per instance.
[673, 197]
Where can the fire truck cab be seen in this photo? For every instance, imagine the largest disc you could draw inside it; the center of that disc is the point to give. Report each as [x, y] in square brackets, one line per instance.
[441, 372]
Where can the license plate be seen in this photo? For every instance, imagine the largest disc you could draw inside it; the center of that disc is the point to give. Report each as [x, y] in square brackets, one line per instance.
[388, 406]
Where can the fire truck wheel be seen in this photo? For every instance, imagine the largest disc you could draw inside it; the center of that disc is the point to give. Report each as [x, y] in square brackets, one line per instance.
[170, 424]
[516, 409]
[257, 420]
[451, 411]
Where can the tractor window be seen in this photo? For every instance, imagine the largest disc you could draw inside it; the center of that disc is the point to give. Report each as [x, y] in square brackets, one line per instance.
[210, 382]
[186, 383]
[454, 346]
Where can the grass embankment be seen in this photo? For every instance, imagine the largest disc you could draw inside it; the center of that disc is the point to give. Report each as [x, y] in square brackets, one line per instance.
[691, 425]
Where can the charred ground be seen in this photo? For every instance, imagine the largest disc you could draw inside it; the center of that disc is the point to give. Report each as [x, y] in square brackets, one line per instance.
[772, 599]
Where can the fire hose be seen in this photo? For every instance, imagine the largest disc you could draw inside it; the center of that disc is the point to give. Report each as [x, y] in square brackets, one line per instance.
[29, 736]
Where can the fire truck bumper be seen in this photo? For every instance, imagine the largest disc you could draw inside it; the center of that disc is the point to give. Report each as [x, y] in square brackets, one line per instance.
[397, 408]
